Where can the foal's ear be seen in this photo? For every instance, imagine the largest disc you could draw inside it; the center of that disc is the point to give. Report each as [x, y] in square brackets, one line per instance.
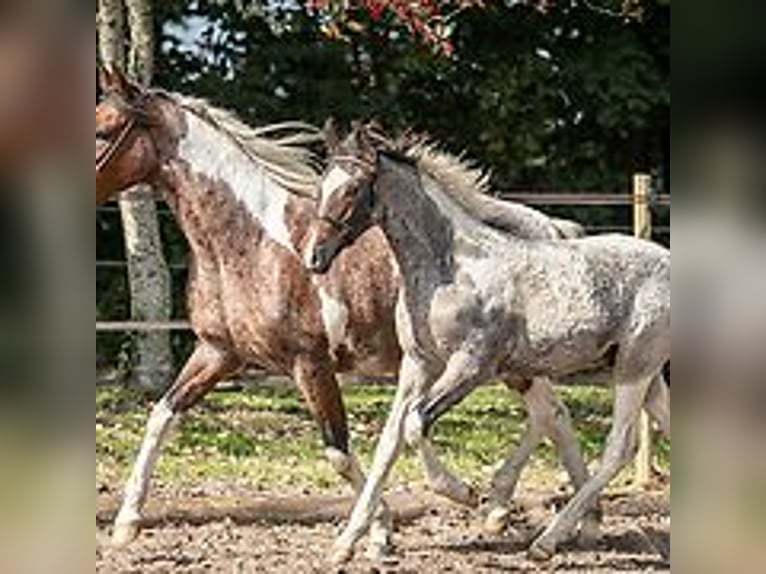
[331, 135]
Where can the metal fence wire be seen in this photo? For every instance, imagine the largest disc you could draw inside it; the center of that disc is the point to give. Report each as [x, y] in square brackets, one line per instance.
[535, 198]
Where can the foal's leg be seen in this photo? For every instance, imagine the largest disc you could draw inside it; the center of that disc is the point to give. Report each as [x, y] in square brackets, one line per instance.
[413, 378]
[538, 399]
[547, 415]
[657, 403]
[620, 448]
[320, 389]
[206, 366]
[440, 478]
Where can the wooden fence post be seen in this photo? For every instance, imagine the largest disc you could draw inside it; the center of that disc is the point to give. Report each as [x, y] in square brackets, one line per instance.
[642, 228]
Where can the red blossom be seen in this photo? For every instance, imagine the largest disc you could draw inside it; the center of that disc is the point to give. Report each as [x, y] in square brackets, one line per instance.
[425, 19]
[376, 8]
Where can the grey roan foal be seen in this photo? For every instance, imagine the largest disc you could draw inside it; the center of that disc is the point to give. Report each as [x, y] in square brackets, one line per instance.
[478, 301]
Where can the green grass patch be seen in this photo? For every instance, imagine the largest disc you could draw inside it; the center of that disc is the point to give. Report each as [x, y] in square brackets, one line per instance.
[265, 437]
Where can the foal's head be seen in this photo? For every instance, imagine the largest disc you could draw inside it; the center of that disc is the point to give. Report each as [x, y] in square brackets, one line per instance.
[346, 205]
[126, 153]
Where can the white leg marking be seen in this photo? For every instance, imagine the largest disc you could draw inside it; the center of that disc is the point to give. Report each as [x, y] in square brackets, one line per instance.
[347, 466]
[138, 483]
[409, 393]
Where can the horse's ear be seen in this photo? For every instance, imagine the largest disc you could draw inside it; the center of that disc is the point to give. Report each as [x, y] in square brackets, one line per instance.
[331, 135]
[365, 142]
[117, 82]
[111, 79]
[408, 138]
[104, 78]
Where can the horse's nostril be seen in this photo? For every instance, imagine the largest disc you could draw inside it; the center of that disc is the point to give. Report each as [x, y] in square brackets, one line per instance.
[317, 258]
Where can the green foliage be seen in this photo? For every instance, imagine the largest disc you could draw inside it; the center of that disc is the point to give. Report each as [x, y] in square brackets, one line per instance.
[566, 99]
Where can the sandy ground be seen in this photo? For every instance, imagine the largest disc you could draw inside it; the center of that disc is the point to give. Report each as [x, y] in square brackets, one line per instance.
[229, 531]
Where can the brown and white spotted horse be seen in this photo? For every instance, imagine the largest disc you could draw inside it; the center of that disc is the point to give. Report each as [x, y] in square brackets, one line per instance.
[244, 198]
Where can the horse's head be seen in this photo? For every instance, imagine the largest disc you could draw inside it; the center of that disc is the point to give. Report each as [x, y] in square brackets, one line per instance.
[125, 151]
[346, 205]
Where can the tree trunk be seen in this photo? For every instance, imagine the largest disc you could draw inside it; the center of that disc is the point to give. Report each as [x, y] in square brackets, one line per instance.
[148, 274]
[141, 53]
[111, 32]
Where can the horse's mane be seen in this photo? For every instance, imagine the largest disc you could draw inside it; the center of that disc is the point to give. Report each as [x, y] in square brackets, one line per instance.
[454, 172]
[281, 149]
[469, 187]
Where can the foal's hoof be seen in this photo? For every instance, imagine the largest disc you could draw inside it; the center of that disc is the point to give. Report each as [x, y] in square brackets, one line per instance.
[541, 551]
[379, 551]
[465, 495]
[472, 499]
[496, 521]
[458, 492]
[124, 534]
[590, 532]
[341, 555]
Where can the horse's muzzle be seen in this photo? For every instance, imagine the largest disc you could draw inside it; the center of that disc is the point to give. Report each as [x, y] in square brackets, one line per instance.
[320, 260]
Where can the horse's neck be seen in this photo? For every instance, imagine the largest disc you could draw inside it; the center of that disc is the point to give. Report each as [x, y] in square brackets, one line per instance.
[212, 179]
[429, 228]
[421, 238]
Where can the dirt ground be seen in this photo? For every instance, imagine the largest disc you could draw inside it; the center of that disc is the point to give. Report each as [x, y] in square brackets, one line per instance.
[230, 531]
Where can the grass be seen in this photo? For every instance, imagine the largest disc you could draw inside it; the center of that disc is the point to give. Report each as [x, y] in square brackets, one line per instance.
[265, 437]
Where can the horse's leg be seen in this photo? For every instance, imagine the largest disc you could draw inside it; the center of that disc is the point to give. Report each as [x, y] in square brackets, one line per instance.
[505, 479]
[320, 389]
[413, 377]
[557, 424]
[547, 415]
[206, 366]
[620, 448]
[657, 403]
[440, 478]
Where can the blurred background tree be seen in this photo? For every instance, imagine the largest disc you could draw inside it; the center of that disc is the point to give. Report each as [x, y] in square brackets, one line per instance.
[551, 95]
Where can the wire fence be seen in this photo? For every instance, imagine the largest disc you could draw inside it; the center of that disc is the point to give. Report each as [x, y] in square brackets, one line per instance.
[536, 198]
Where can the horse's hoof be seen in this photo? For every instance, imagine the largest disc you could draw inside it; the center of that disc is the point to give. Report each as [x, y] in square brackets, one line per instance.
[381, 554]
[341, 555]
[590, 532]
[496, 521]
[541, 551]
[124, 534]
[472, 499]
[458, 492]
[379, 550]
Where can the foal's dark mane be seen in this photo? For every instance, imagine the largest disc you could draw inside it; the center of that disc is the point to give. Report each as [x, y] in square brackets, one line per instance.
[459, 179]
